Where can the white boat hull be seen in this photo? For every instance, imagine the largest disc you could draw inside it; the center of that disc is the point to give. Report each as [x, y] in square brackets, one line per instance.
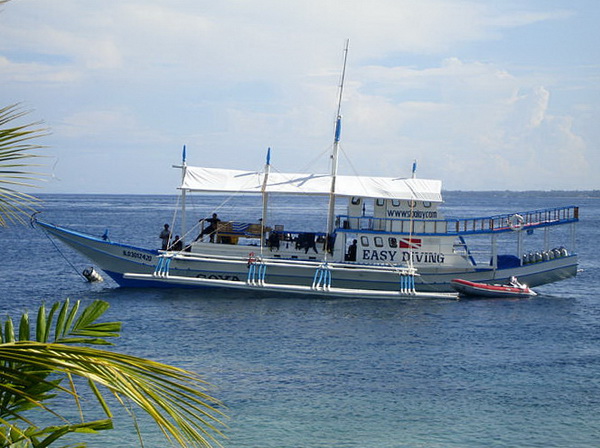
[118, 259]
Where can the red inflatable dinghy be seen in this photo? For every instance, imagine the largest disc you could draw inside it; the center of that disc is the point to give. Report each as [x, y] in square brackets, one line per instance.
[472, 289]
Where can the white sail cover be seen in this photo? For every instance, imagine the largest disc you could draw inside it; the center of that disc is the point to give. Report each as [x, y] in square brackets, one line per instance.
[236, 181]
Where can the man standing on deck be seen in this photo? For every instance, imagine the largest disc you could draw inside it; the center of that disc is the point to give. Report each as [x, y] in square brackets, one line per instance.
[210, 229]
[165, 235]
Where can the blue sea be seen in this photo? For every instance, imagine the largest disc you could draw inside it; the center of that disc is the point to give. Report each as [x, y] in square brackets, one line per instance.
[315, 373]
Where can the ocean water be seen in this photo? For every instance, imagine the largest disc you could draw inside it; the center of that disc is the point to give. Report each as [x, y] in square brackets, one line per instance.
[312, 373]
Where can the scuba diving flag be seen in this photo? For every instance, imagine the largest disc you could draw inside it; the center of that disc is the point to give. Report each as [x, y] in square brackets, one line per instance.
[410, 243]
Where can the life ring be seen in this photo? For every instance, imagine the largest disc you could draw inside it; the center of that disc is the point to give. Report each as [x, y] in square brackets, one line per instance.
[515, 222]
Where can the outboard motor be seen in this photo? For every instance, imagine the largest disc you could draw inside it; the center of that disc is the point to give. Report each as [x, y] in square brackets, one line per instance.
[91, 275]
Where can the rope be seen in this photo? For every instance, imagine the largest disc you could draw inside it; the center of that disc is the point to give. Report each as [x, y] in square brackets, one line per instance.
[63, 255]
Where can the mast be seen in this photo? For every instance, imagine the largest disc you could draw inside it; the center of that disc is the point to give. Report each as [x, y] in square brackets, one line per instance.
[265, 197]
[334, 154]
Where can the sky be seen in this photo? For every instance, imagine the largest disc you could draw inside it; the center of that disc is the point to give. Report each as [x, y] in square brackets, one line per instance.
[484, 94]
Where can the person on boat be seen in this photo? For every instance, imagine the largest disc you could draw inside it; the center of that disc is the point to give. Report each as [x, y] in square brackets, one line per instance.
[351, 255]
[514, 282]
[165, 235]
[177, 244]
[211, 228]
[309, 242]
[273, 241]
[329, 243]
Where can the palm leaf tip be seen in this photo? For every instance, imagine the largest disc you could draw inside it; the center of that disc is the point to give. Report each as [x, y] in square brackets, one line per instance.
[16, 155]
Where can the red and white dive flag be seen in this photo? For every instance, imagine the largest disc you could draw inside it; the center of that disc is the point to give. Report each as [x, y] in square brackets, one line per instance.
[410, 243]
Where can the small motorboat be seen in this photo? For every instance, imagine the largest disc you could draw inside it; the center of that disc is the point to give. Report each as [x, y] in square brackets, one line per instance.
[511, 289]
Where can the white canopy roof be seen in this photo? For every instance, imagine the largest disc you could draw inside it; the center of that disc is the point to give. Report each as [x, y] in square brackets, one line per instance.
[235, 181]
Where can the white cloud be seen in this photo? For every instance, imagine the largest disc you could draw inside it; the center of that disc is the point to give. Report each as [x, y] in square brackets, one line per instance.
[233, 77]
[34, 72]
[237, 39]
[484, 128]
[118, 125]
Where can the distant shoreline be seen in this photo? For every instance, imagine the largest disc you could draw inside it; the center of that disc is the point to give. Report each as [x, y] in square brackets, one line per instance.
[499, 193]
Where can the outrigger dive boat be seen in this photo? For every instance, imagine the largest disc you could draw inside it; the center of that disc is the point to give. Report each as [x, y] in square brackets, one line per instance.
[513, 289]
[392, 242]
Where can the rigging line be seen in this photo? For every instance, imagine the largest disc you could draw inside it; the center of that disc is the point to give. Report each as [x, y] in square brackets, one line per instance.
[352, 168]
[173, 220]
[349, 161]
[288, 178]
[324, 153]
[64, 256]
[187, 233]
[175, 212]
[215, 209]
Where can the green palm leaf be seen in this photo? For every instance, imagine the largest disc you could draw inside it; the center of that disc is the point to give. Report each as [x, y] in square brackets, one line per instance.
[176, 399]
[16, 159]
[32, 373]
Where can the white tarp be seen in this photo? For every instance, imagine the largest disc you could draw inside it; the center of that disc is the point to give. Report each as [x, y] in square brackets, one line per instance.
[235, 181]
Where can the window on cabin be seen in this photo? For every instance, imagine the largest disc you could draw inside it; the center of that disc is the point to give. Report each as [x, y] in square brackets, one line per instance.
[364, 241]
[393, 242]
[378, 241]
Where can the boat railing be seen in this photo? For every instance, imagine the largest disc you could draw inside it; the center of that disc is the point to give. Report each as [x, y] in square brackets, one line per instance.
[252, 258]
[527, 220]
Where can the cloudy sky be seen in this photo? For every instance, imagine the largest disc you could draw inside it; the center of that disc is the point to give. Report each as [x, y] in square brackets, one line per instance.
[485, 94]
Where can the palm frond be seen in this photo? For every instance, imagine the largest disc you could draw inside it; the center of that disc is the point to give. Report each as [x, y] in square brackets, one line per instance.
[16, 159]
[33, 372]
[176, 399]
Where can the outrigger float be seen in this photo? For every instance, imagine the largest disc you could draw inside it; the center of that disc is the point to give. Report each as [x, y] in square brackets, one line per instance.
[393, 241]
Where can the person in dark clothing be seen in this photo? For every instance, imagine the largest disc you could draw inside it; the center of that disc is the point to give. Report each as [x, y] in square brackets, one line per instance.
[211, 228]
[329, 243]
[177, 244]
[351, 255]
[165, 235]
[309, 242]
[273, 241]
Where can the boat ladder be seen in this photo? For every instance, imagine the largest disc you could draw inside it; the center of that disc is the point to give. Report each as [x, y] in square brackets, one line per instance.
[163, 265]
[257, 270]
[407, 283]
[322, 278]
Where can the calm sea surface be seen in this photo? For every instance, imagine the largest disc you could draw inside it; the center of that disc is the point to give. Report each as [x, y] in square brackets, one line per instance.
[342, 373]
